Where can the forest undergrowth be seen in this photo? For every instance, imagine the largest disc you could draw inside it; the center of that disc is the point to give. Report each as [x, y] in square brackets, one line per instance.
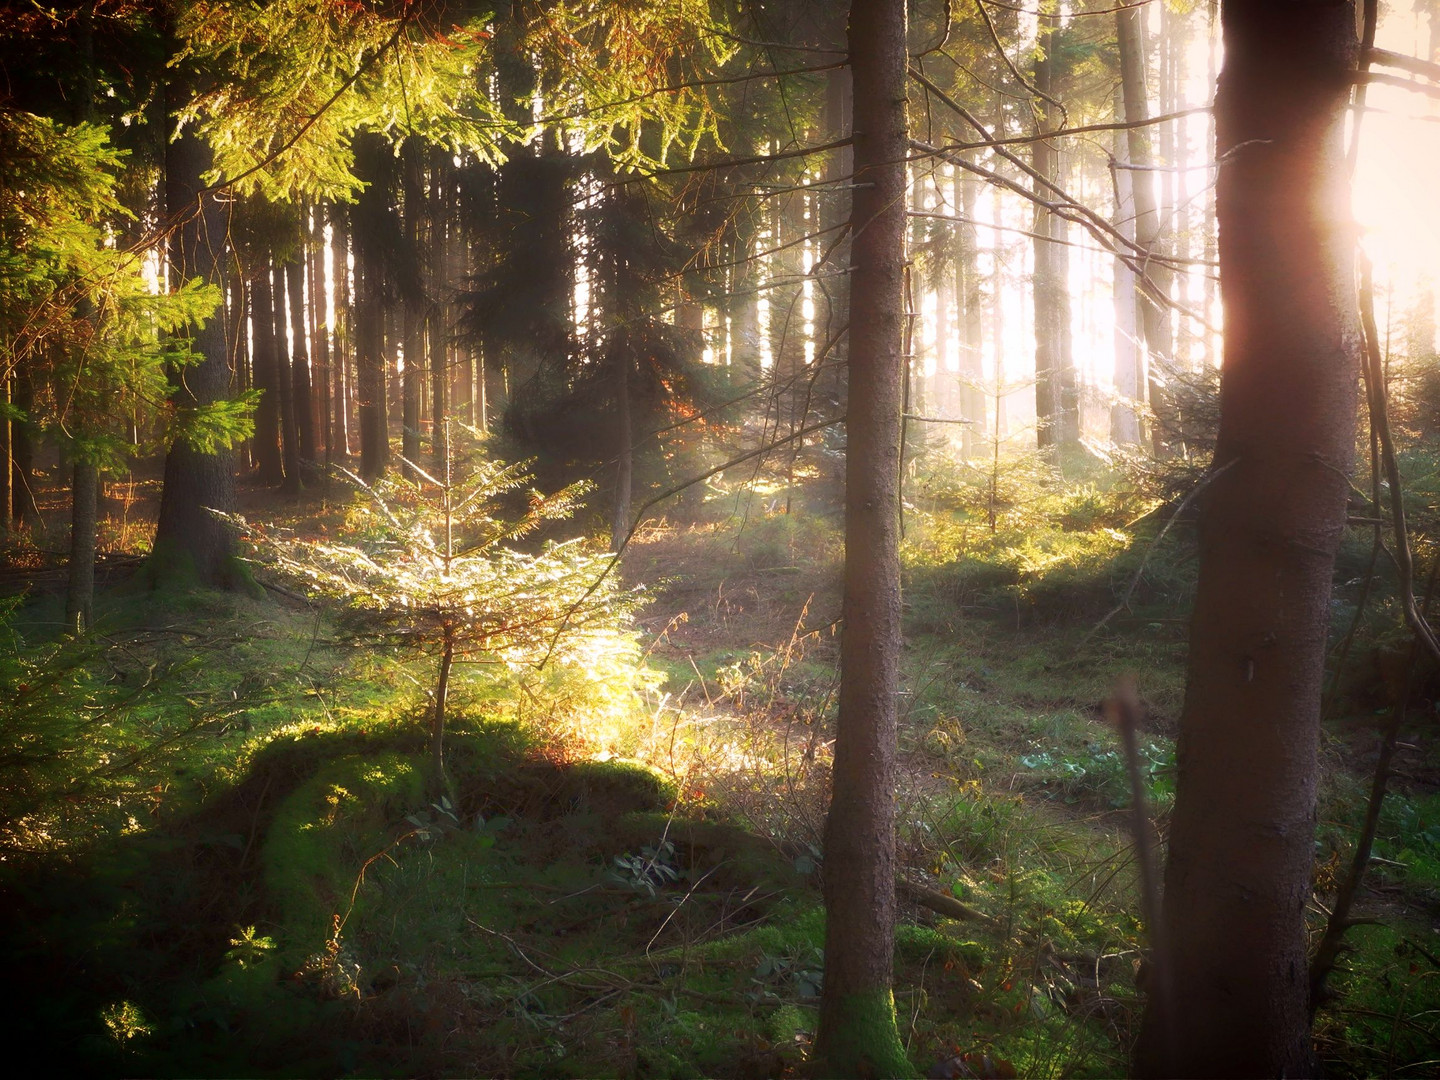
[224, 852]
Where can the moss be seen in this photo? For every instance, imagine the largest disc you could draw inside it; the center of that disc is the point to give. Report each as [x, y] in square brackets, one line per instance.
[617, 786]
[861, 1039]
[325, 830]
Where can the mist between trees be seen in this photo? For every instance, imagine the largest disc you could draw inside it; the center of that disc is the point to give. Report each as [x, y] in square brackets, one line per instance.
[876, 501]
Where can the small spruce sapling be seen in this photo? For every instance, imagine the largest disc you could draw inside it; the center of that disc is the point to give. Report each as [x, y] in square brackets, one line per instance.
[435, 575]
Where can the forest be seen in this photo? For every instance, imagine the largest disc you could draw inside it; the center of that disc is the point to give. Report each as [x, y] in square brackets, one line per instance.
[720, 538]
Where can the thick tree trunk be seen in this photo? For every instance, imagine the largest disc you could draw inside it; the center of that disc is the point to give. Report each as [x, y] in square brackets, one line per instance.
[1242, 833]
[188, 536]
[1154, 315]
[368, 217]
[857, 1034]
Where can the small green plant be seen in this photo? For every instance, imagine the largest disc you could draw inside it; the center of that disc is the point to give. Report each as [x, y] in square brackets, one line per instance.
[650, 871]
[433, 573]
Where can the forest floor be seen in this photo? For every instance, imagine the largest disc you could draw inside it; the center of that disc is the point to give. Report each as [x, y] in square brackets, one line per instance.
[242, 870]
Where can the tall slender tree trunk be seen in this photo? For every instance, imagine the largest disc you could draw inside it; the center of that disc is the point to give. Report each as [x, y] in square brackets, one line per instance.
[1057, 405]
[857, 1034]
[1154, 314]
[80, 585]
[267, 379]
[300, 386]
[971, 297]
[368, 217]
[320, 331]
[624, 447]
[285, 391]
[344, 332]
[1242, 833]
[413, 331]
[1129, 359]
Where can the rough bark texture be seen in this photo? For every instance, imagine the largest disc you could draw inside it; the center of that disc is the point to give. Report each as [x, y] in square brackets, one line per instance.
[80, 585]
[367, 217]
[857, 1034]
[413, 377]
[189, 539]
[1241, 839]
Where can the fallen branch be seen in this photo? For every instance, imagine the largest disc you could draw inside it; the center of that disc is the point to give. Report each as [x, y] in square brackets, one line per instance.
[940, 903]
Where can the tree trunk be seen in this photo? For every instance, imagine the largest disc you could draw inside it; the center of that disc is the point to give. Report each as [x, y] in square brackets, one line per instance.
[1242, 834]
[266, 362]
[624, 448]
[300, 388]
[368, 218]
[1154, 316]
[413, 289]
[971, 312]
[320, 327]
[1129, 361]
[285, 391]
[857, 1034]
[80, 588]
[1057, 411]
[344, 334]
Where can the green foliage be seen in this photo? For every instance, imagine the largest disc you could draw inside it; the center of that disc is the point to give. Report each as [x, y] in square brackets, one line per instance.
[1028, 540]
[432, 559]
[289, 83]
[79, 312]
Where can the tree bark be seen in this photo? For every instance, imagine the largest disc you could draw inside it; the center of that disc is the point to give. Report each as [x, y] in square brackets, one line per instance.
[344, 334]
[857, 1034]
[1129, 361]
[368, 217]
[80, 586]
[266, 366]
[1057, 406]
[300, 387]
[320, 329]
[285, 390]
[624, 447]
[1242, 833]
[1154, 316]
[413, 329]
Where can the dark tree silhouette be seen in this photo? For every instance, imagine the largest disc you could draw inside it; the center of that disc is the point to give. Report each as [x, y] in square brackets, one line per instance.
[1231, 996]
